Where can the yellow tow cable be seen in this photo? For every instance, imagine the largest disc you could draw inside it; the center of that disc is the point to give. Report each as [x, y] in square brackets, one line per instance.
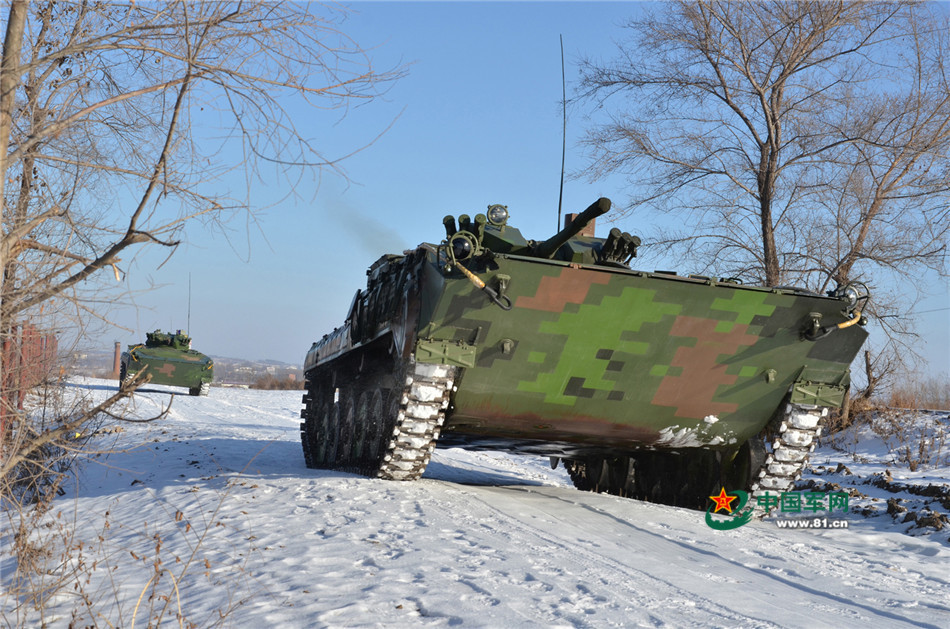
[851, 321]
[477, 281]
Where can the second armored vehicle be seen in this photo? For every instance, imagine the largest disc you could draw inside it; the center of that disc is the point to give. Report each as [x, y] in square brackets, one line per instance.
[649, 385]
[169, 359]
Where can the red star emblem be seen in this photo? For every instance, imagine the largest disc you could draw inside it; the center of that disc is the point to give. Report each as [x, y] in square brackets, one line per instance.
[723, 501]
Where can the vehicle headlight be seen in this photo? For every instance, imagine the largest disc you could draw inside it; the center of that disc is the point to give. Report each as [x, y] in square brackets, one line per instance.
[497, 215]
[463, 245]
[849, 293]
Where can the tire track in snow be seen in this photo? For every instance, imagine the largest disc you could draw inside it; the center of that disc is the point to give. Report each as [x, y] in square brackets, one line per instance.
[690, 563]
[578, 577]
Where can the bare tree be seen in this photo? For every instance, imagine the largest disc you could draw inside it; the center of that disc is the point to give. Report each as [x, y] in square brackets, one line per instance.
[748, 116]
[798, 142]
[118, 119]
[117, 122]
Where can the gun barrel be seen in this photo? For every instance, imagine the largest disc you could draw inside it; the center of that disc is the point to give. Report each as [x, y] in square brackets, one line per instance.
[547, 248]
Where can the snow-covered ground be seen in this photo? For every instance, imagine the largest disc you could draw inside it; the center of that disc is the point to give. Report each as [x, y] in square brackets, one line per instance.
[215, 499]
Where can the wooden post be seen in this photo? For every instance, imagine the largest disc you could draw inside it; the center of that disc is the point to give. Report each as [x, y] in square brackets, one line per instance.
[116, 360]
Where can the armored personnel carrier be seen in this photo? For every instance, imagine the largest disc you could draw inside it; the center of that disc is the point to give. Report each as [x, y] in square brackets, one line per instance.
[169, 359]
[645, 384]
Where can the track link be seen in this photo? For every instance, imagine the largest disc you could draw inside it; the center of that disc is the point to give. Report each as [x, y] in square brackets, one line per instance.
[798, 433]
[425, 398]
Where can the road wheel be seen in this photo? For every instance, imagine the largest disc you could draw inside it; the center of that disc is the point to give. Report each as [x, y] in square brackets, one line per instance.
[620, 476]
[375, 431]
[588, 474]
[313, 427]
[360, 425]
[346, 429]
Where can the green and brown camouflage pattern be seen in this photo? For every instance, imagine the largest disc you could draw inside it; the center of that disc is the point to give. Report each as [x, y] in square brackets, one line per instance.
[593, 354]
[169, 359]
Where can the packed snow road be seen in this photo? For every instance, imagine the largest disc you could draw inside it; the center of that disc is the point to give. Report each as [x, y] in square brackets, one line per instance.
[483, 539]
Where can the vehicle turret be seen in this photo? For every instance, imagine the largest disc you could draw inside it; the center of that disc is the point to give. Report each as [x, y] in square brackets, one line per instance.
[490, 232]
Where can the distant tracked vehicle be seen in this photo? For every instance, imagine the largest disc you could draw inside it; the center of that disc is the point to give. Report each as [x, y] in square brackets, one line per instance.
[649, 385]
[169, 359]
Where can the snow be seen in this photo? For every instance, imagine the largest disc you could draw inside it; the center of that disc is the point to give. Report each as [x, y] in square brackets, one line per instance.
[218, 492]
[689, 437]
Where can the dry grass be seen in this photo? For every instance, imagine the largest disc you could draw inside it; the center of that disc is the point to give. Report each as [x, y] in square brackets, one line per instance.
[915, 440]
[932, 393]
[271, 383]
[52, 575]
[97, 580]
[912, 393]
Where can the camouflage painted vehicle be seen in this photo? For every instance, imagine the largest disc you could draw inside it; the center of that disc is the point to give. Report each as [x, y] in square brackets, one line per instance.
[649, 385]
[170, 360]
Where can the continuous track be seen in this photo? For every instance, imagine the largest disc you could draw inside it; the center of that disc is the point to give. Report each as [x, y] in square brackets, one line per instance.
[798, 433]
[425, 397]
[334, 439]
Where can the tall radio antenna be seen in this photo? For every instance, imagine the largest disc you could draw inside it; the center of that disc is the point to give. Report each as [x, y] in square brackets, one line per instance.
[189, 303]
[560, 196]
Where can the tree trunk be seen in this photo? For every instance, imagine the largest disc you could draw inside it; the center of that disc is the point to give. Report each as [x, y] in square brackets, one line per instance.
[766, 184]
[9, 80]
[769, 254]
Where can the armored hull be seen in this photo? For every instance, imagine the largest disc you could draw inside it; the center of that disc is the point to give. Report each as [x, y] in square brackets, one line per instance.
[169, 359]
[645, 384]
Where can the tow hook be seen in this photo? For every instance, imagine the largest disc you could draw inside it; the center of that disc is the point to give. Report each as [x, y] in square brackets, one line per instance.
[502, 301]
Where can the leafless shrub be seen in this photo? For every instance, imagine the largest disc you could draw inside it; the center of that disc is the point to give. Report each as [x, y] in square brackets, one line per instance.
[42, 442]
[916, 440]
[40, 449]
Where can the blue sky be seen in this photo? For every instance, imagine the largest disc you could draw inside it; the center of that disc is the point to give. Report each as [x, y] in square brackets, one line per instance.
[476, 121]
